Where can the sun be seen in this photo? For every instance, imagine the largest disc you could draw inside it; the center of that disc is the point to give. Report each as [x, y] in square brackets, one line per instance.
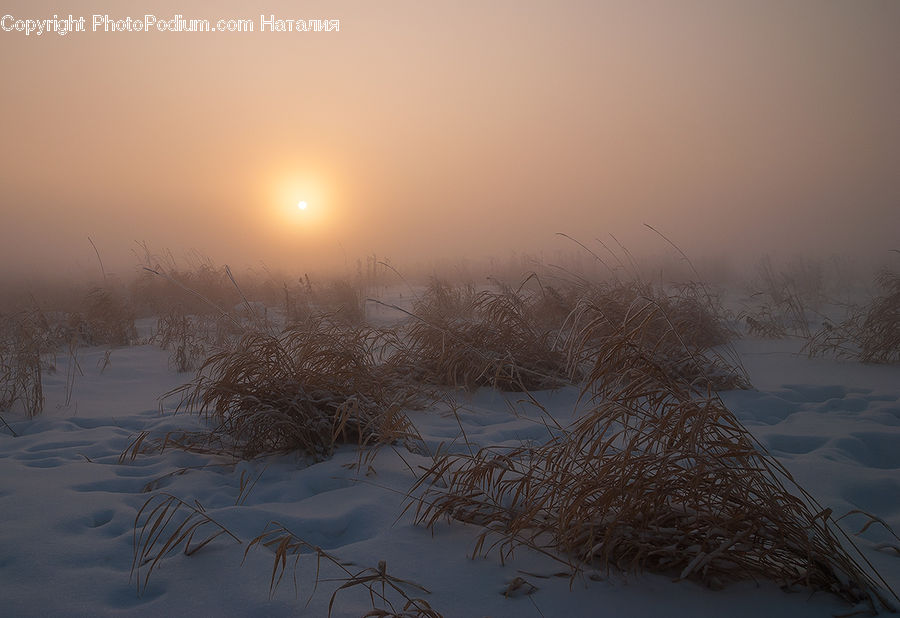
[300, 204]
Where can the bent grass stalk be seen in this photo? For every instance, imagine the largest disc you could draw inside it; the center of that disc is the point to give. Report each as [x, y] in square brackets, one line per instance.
[376, 581]
[166, 523]
[658, 475]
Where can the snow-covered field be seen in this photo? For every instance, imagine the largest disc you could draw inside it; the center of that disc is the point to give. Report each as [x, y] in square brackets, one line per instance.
[68, 507]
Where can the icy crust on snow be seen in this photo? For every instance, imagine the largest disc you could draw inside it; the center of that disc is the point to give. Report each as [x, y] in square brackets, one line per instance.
[68, 507]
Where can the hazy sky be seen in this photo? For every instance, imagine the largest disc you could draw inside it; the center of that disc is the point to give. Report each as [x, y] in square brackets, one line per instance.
[437, 129]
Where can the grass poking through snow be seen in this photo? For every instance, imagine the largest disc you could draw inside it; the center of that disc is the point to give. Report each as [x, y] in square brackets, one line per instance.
[314, 386]
[656, 475]
[460, 338]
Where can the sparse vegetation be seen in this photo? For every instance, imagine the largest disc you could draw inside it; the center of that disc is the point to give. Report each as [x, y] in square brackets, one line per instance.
[656, 474]
[191, 338]
[165, 513]
[376, 581]
[165, 524]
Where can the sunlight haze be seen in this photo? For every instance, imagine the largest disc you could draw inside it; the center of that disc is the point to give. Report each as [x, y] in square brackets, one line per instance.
[425, 131]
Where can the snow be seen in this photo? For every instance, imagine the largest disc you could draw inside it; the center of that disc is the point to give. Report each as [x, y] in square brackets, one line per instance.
[68, 507]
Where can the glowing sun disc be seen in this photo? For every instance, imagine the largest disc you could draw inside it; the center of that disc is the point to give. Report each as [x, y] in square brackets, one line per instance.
[301, 205]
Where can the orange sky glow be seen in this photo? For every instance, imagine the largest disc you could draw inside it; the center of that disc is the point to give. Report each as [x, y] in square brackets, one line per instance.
[433, 130]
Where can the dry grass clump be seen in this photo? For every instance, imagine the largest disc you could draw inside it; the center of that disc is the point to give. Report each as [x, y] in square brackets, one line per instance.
[25, 336]
[306, 390]
[463, 339]
[515, 340]
[679, 489]
[762, 323]
[699, 315]
[623, 332]
[298, 301]
[870, 334]
[879, 333]
[658, 475]
[187, 337]
[106, 319]
[200, 287]
[443, 301]
[553, 305]
[192, 337]
[784, 299]
[343, 300]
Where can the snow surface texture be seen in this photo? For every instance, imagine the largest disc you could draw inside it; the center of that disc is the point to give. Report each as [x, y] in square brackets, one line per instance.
[67, 507]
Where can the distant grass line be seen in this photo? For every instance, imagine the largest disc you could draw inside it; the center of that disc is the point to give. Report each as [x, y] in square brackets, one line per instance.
[325, 381]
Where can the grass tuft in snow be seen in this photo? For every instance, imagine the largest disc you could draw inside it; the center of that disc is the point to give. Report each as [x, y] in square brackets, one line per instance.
[871, 333]
[106, 319]
[465, 339]
[314, 386]
[656, 475]
[24, 337]
[624, 332]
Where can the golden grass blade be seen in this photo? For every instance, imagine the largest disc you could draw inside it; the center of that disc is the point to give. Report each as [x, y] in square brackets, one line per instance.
[286, 544]
[150, 542]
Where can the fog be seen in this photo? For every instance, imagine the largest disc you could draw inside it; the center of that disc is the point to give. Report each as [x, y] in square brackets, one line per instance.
[437, 131]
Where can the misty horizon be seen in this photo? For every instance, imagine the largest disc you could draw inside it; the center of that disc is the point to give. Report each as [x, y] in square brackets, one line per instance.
[428, 134]
[450, 308]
